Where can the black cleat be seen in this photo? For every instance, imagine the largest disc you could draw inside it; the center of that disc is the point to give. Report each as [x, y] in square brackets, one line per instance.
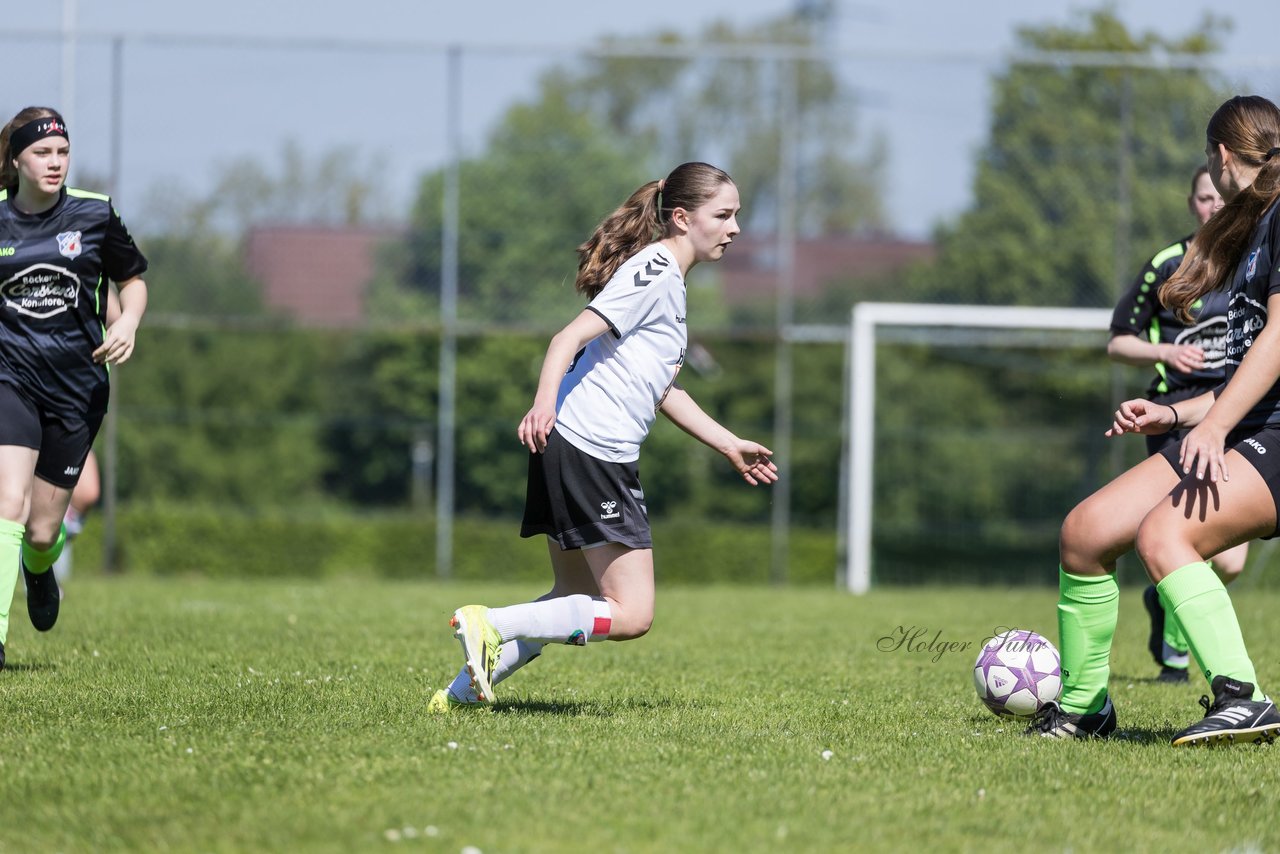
[43, 598]
[1053, 722]
[1232, 717]
[1155, 640]
[1172, 674]
[1, 656]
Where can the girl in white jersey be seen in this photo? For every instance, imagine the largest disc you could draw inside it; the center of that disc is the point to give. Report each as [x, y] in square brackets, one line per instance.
[604, 379]
[1218, 487]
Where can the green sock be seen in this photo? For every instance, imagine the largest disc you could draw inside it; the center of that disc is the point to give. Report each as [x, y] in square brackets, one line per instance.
[1175, 637]
[10, 554]
[1196, 595]
[37, 561]
[1088, 606]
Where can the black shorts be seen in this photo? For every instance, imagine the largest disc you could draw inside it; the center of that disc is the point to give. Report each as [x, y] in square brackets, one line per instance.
[581, 501]
[1260, 447]
[63, 443]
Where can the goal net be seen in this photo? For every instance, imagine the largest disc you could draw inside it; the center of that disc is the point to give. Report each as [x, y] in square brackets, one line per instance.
[970, 432]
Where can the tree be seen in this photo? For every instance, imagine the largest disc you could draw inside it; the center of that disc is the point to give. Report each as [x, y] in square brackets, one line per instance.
[601, 126]
[548, 175]
[1084, 174]
[730, 110]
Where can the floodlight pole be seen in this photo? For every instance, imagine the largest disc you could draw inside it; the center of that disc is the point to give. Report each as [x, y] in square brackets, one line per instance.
[111, 431]
[446, 414]
[783, 390]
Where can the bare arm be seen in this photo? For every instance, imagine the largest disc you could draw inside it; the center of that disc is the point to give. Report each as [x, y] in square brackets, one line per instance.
[750, 459]
[1132, 350]
[565, 344]
[1150, 418]
[117, 344]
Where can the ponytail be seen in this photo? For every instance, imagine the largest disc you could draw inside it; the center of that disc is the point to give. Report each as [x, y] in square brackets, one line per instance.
[623, 233]
[1249, 127]
[642, 219]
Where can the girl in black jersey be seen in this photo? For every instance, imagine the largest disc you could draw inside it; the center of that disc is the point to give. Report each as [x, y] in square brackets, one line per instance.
[58, 247]
[1218, 487]
[1188, 357]
[605, 377]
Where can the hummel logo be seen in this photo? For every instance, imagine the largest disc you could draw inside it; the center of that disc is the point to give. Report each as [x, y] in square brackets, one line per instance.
[648, 271]
[610, 510]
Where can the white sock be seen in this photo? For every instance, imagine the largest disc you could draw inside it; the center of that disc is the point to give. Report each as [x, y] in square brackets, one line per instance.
[512, 655]
[1174, 657]
[572, 619]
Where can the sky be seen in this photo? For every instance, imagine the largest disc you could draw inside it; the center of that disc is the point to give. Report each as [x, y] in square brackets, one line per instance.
[921, 70]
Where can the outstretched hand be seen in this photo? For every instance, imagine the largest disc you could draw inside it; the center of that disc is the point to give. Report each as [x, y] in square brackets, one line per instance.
[1141, 416]
[751, 459]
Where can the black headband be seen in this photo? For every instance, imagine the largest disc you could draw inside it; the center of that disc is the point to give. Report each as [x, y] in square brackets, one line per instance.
[34, 131]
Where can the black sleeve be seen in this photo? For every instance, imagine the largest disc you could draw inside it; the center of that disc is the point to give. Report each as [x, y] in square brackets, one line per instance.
[121, 260]
[1132, 315]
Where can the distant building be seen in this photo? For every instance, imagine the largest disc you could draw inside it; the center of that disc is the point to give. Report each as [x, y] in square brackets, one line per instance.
[315, 274]
[321, 274]
[749, 270]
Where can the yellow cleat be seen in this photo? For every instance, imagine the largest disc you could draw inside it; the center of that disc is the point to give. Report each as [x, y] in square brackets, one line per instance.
[480, 644]
[443, 703]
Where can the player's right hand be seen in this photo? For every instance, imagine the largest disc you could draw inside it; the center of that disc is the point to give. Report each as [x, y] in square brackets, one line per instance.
[1141, 416]
[535, 427]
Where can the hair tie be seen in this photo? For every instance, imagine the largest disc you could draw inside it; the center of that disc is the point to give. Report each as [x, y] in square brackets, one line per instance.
[1272, 153]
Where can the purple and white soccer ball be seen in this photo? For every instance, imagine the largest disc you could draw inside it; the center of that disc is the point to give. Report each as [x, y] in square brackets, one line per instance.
[1017, 673]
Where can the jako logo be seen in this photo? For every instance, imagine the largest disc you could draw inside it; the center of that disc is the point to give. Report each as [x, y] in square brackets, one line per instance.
[7, 251]
[610, 509]
[1256, 445]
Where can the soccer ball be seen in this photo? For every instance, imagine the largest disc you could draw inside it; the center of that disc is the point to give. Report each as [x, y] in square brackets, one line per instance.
[1017, 673]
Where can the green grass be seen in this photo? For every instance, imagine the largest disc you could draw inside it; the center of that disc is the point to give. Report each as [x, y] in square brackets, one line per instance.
[190, 715]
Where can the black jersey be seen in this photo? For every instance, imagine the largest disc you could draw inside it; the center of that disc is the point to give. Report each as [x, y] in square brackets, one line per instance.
[53, 271]
[1256, 277]
[1141, 313]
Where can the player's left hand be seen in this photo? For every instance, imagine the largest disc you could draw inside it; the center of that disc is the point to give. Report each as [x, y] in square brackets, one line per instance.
[1203, 452]
[117, 343]
[751, 459]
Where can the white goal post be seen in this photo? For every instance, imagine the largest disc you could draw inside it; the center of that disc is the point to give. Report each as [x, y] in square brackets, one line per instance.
[867, 319]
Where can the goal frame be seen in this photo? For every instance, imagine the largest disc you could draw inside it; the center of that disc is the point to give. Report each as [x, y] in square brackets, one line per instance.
[867, 318]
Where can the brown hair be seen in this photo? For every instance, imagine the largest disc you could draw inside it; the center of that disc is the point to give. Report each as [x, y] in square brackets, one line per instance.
[1195, 179]
[9, 172]
[1249, 127]
[642, 219]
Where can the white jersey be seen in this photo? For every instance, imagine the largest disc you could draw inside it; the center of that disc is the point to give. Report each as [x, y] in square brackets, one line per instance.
[611, 393]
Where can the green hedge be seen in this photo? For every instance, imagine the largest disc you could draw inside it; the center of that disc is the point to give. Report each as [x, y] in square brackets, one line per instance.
[221, 543]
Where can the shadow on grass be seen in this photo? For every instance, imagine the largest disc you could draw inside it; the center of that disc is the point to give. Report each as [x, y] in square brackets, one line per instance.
[20, 666]
[586, 708]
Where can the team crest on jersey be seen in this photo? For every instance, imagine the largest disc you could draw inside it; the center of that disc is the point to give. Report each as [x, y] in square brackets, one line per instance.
[69, 243]
[1252, 266]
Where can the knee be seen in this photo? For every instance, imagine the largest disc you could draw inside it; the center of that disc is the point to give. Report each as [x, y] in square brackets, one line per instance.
[1157, 548]
[1075, 546]
[631, 626]
[15, 504]
[1228, 567]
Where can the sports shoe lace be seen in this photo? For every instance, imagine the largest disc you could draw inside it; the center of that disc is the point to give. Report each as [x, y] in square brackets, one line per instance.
[1209, 708]
[1046, 720]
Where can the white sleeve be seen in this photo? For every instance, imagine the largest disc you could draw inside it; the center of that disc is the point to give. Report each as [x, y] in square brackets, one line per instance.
[631, 295]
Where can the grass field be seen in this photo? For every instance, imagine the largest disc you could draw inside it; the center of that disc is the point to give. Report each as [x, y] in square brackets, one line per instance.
[188, 715]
